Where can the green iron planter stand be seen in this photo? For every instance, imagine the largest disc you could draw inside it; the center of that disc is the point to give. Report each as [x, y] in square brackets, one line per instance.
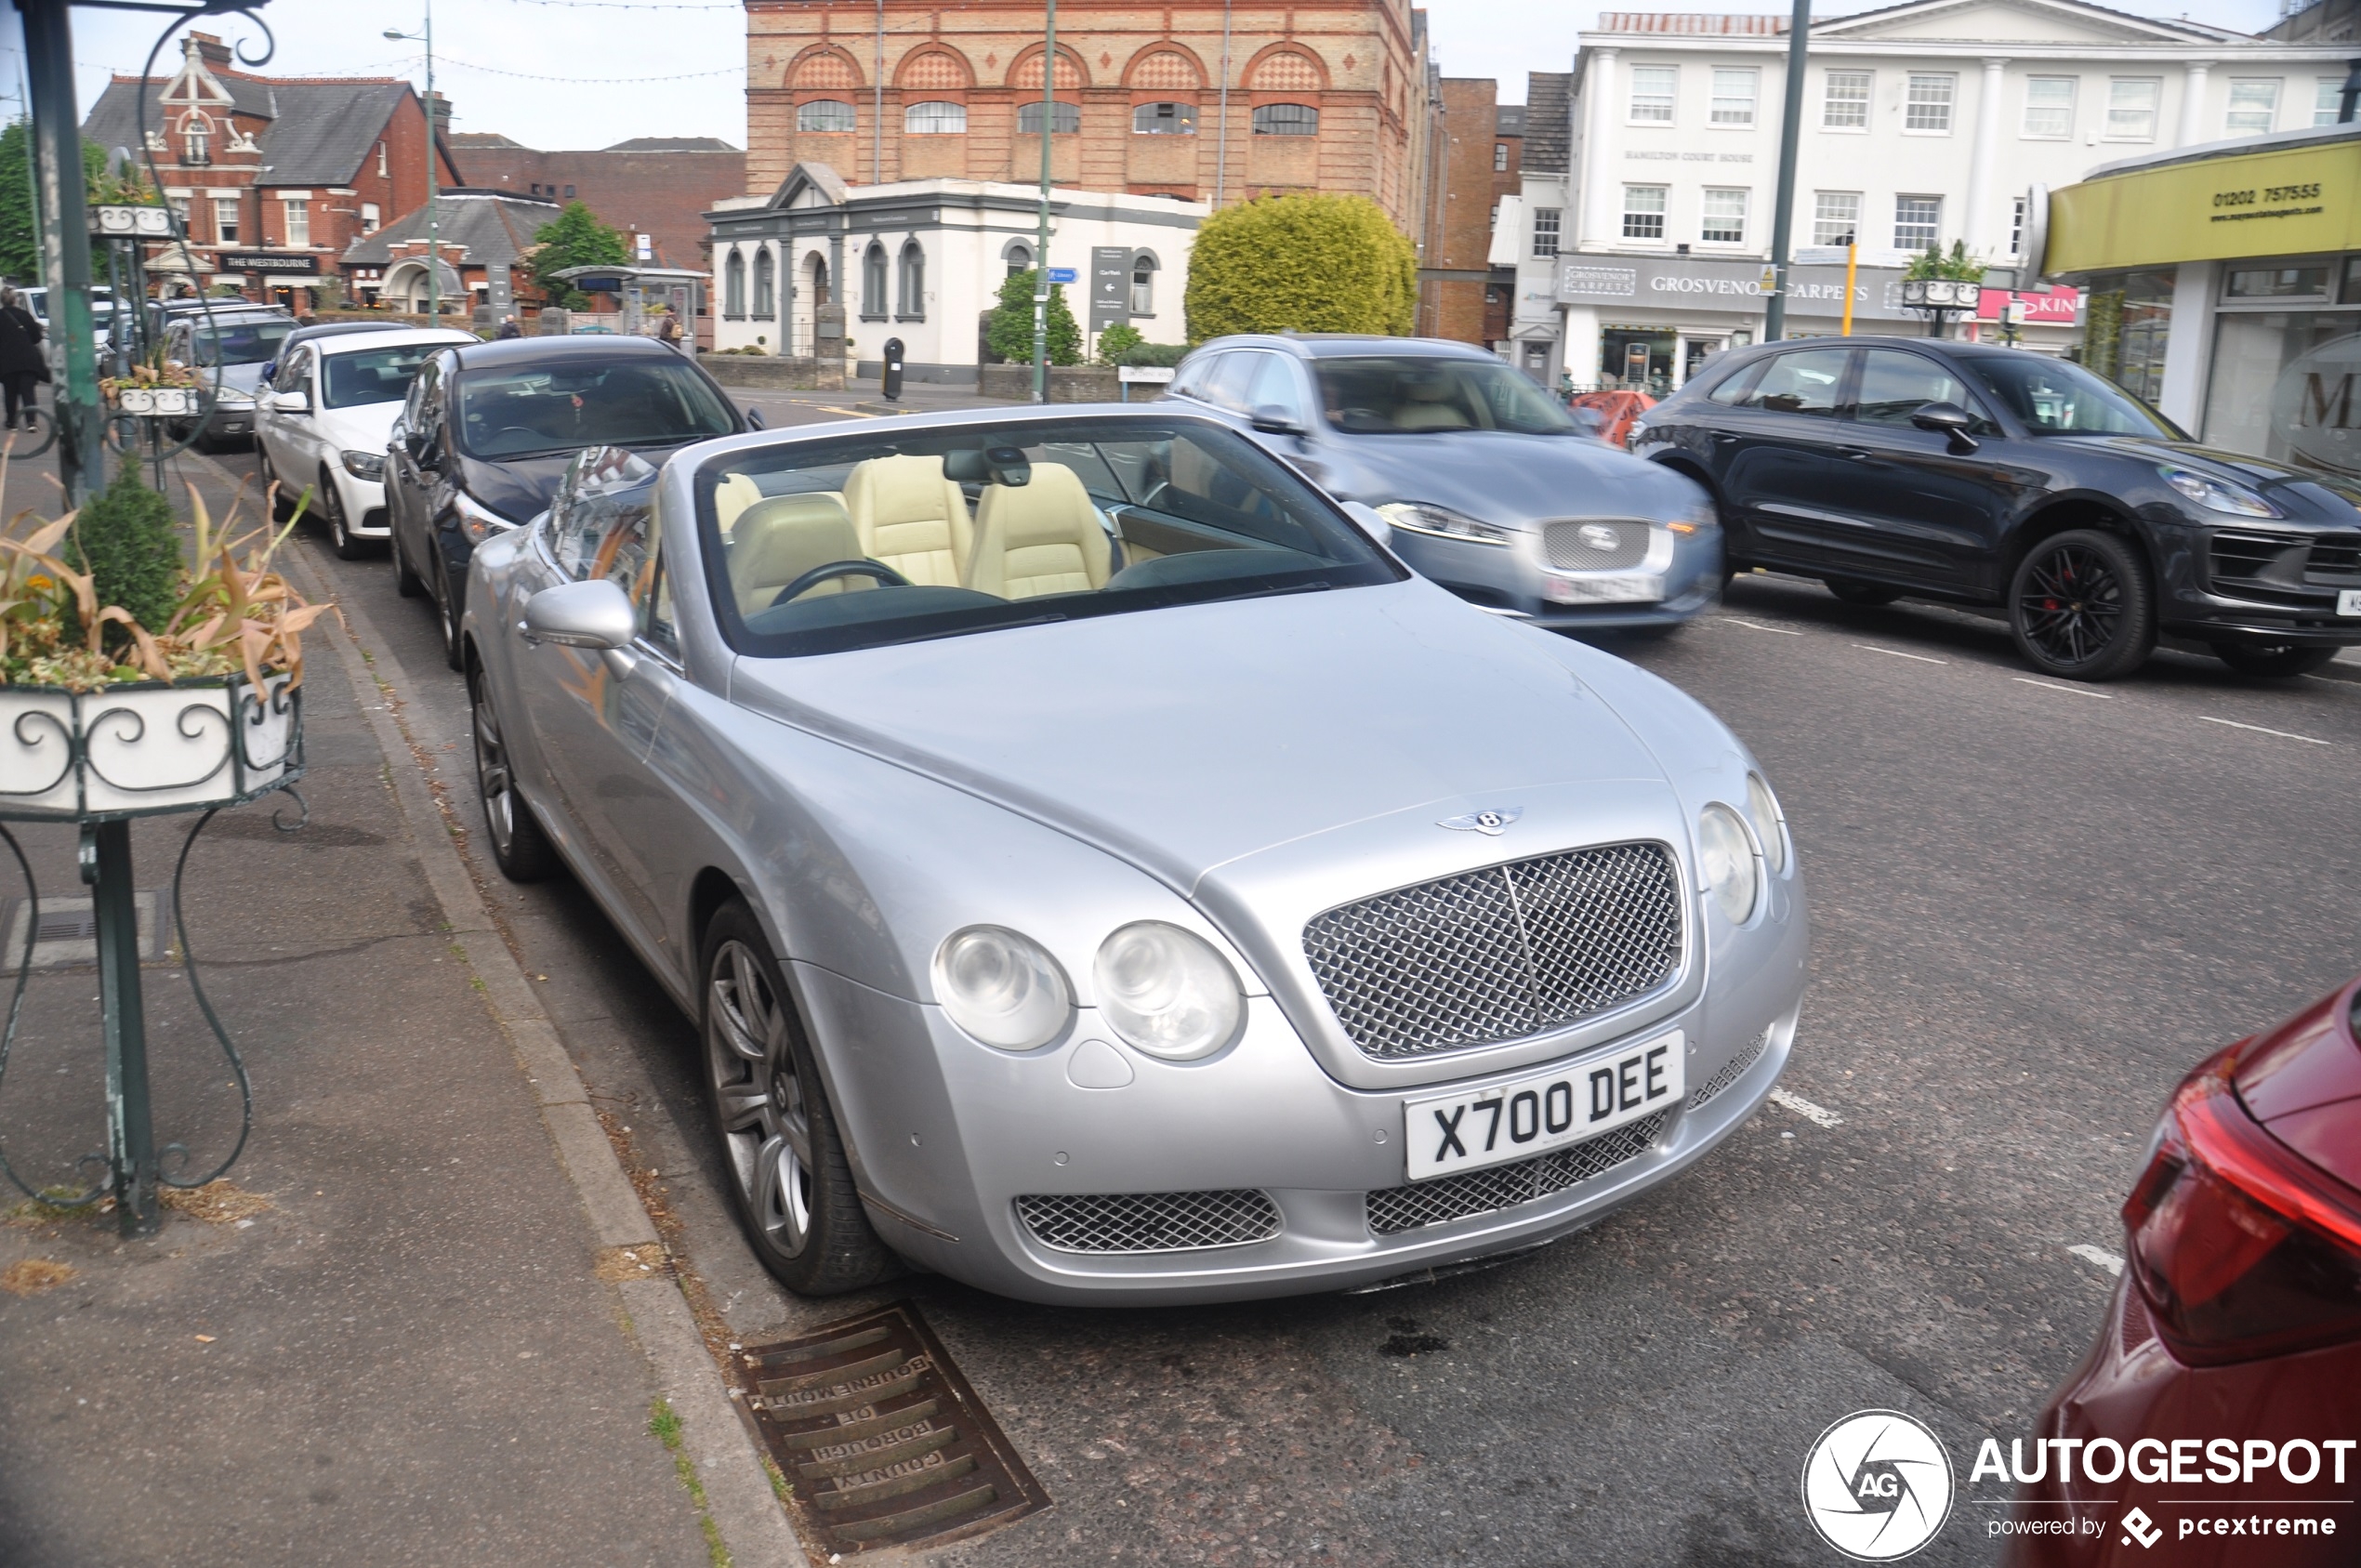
[99, 759]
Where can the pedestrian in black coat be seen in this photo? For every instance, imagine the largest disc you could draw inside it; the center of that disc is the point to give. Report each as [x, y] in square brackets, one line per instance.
[22, 362]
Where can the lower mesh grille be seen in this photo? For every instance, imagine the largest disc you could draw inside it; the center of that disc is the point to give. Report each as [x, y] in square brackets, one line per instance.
[1148, 1221]
[1396, 1209]
[1734, 1072]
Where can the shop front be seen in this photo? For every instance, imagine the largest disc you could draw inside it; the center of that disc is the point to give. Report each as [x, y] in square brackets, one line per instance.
[2225, 288]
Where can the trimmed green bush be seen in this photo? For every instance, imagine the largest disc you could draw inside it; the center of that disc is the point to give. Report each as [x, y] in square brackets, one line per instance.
[1010, 334]
[1301, 264]
[1165, 354]
[1115, 341]
[124, 538]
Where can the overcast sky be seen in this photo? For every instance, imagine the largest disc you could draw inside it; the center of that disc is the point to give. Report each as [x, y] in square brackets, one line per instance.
[570, 74]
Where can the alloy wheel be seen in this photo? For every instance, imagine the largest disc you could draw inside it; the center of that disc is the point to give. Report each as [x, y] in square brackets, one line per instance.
[758, 1097]
[494, 780]
[2071, 604]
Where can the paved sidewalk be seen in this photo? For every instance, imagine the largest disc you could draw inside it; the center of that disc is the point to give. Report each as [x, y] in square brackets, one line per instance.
[394, 1338]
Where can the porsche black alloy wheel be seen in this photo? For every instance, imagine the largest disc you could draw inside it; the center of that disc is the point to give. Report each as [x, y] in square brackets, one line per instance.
[781, 1154]
[2275, 659]
[520, 847]
[2080, 606]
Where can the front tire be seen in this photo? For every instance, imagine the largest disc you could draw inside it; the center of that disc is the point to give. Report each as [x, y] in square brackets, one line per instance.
[1852, 590]
[405, 582]
[339, 527]
[274, 493]
[520, 847]
[446, 614]
[2081, 607]
[781, 1154]
[2276, 660]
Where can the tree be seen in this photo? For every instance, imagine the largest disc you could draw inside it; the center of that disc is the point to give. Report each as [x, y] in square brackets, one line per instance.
[1301, 264]
[19, 236]
[573, 238]
[1011, 332]
[124, 538]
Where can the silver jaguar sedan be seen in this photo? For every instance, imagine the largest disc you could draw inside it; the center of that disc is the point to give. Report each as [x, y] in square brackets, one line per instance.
[1103, 872]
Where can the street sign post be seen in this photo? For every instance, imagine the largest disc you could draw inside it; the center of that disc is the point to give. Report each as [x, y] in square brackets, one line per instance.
[1063, 275]
[1110, 286]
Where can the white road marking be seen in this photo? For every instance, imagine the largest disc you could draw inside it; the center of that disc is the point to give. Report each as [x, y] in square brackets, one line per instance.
[1783, 631]
[2283, 734]
[1897, 653]
[2053, 686]
[2098, 1255]
[1818, 1115]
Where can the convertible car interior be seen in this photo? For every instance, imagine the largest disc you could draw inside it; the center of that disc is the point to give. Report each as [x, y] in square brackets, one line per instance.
[995, 526]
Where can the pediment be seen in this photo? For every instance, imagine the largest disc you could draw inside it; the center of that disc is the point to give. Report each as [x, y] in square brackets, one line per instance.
[809, 185]
[2010, 21]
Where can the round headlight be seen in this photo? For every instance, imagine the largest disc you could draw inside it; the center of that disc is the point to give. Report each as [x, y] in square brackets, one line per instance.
[1166, 992]
[1002, 988]
[1769, 822]
[1727, 859]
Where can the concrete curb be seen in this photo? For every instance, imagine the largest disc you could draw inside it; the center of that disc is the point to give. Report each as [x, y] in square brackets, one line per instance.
[753, 1525]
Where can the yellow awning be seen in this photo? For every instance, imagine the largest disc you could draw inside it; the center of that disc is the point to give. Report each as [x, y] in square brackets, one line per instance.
[2283, 201]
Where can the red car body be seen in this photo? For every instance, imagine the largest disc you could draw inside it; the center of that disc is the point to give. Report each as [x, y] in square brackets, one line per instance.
[2238, 1318]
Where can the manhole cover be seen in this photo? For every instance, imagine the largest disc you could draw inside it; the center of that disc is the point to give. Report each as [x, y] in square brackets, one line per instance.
[885, 1442]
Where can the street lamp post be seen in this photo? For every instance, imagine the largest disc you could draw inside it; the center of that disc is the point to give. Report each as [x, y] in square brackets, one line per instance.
[65, 243]
[434, 243]
[1775, 315]
[1041, 251]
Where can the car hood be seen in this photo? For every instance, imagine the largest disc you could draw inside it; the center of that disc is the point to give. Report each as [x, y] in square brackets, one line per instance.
[364, 427]
[2260, 473]
[519, 489]
[1186, 738]
[1500, 477]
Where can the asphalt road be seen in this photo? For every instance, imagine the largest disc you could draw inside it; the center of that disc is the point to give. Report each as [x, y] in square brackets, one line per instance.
[2037, 905]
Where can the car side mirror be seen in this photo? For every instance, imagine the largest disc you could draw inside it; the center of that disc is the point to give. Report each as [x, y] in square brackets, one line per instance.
[1950, 419]
[1274, 420]
[291, 402]
[1372, 522]
[755, 420]
[594, 613]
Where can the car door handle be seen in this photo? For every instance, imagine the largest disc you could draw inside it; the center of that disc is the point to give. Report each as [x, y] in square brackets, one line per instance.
[1857, 453]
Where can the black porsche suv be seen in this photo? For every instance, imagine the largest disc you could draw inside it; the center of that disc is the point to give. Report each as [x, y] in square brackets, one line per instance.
[1984, 474]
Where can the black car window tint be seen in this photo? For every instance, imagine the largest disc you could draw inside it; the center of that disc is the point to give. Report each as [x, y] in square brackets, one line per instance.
[1734, 389]
[1897, 384]
[1804, 382]
[2054, 398]
[370, 375]
[538, 411]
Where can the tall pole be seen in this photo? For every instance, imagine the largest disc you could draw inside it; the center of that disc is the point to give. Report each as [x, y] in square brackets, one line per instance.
[1221, 133]
[64, 216]
[1775, 315]
[1041, 250]
[877, 109]
[434, 141]
[1852, 266]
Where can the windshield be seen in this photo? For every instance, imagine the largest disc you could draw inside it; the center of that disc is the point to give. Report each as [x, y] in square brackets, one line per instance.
[2056, 398]
[1398, 394]
[541, 411]
[240, 342]
[372, 374]
[862, 542]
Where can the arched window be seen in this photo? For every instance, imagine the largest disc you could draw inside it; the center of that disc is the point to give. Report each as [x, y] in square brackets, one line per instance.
[1143, 285]
[733, 285]
[196, 139]
[825, 114]
[914, 282]
[873, 283]
[935, 119]
[1165, 119]
[766, 284]
[1065, 121]
[1019, 256]
[1286, 119]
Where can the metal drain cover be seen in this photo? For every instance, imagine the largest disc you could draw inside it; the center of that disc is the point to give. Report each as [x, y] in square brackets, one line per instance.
[886, 1443]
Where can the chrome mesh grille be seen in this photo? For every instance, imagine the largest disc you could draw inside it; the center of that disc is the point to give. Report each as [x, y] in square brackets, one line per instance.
[1396, 1209]
[1499, 954]
[1148, 1221]
[1569, 551]
[1734, 1071]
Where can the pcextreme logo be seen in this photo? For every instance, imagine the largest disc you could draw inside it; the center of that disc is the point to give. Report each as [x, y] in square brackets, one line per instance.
[1878, 1485]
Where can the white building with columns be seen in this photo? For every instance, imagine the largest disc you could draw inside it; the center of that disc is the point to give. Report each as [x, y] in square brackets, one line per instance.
[1923, 122]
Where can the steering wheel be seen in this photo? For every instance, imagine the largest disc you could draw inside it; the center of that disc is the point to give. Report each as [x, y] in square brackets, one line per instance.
[505, 431]
[834, 570]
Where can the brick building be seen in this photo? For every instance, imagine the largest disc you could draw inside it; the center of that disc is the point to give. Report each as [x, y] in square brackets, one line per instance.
[1327, 95]
[273, 177]
[655, 187]
[1478, 163]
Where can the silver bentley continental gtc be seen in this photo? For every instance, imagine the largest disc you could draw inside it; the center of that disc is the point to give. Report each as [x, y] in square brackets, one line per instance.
[1103, 872]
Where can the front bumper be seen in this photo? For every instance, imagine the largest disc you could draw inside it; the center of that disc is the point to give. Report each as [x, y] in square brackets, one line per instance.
[946, 1134]
[2259, 585]
[364, 506]
[1680, 576]
[228, 420]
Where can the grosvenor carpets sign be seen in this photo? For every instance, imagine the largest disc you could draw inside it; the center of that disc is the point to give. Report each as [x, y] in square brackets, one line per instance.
[1683, 283]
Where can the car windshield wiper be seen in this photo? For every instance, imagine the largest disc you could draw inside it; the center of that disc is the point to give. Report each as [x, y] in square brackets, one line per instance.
[1047, 617]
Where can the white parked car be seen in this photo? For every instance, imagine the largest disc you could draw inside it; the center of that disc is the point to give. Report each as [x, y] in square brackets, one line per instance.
[322, 423]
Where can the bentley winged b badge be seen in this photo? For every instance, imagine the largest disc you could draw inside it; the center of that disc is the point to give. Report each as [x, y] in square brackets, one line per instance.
[1489, 824]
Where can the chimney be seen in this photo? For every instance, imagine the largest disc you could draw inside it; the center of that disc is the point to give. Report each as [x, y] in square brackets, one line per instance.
[210, 49]
[439, 109]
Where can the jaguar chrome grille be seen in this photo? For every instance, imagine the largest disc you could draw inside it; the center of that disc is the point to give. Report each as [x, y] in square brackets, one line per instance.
[1501, 952]
[1148, 1221]
[1625, 543]
[1395, 1210]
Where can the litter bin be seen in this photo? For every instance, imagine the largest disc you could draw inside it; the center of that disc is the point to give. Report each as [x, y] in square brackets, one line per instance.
[893, 370]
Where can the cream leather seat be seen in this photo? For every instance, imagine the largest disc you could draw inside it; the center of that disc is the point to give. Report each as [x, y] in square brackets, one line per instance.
[1037, 538]
[1430, 405]
[730, 497]
[779, 539]
[912, 518]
